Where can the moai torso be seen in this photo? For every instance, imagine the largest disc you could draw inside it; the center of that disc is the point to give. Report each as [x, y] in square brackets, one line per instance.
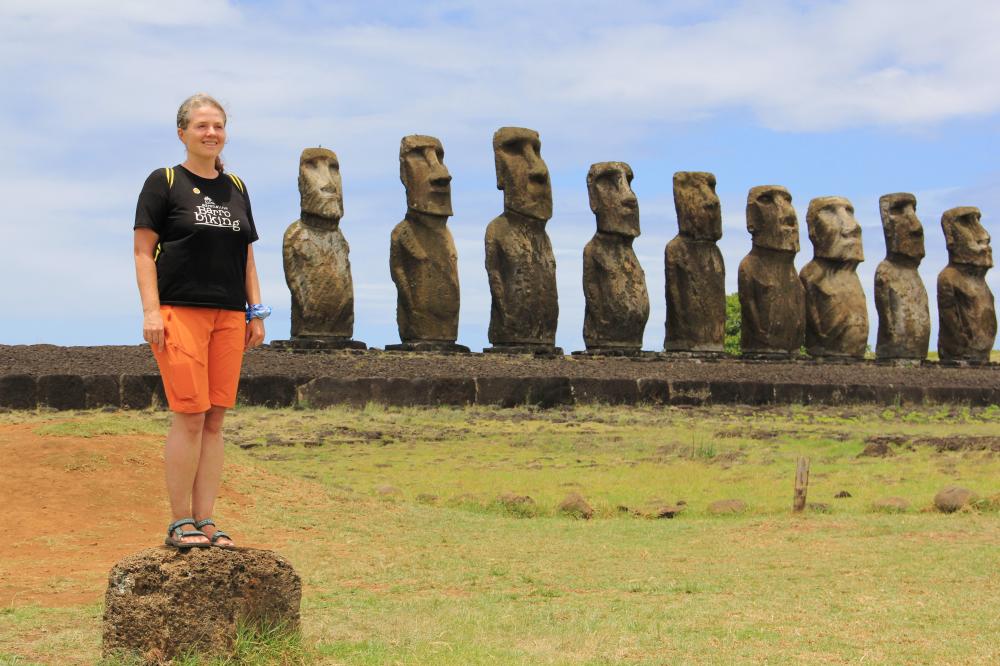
[522, 274]
[966, 308]
[772, 304]
[695, 273]
[614, 284]
[424, 266]
[520, 263]
[315, 253]
[836, 312]
[422, 257]
[772, 299]
[904, 321]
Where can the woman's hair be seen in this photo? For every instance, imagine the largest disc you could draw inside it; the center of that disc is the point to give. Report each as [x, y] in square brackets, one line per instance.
[190, 104]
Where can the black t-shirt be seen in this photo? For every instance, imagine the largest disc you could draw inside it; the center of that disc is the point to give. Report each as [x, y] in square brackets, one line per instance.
[205, 226]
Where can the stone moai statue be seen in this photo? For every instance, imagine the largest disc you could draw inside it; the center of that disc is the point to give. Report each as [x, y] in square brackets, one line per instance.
[520, 263]
[904, 319]
[772, 300]
[967, 315]
[695, 273]
[315, 252]
[422, 257]
[836, 313]
[614, 283]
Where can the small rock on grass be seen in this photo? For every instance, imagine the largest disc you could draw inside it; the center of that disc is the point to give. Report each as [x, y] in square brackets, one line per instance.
[513, 500]
[727, 506]
[388, 491]
[891, 505]
[842, 495]
[878, 449]
[575, 505]
[954, 498]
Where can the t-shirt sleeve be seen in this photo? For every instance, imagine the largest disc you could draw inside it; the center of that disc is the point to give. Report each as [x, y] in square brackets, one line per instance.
[253, 227]
[151, 210]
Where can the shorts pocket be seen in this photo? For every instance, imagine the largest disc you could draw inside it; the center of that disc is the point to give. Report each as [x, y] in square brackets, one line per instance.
[184, 372]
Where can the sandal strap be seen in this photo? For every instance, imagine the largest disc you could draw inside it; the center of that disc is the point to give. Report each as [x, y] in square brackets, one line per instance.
[204, 523]
[187, 533]
[219, 534]
[177, 524]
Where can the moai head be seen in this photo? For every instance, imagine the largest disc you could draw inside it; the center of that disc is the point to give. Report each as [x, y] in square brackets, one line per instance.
[699, 214]
[319, 187]
[771, 219]
[834, 232]
[967, 239]
[426, 178]
[521, 173]
[612, 199]
[904, 235]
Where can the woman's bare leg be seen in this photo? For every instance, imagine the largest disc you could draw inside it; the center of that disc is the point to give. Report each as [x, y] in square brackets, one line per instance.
[209, 476]
[182, 455]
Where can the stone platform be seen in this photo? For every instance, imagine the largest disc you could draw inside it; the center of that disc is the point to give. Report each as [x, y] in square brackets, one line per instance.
[125, 377]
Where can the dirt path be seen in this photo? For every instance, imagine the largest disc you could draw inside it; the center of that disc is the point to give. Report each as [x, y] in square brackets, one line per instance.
[73, 506]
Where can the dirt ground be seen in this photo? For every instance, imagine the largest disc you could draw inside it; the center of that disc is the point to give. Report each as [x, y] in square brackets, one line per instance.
[73, 506]
[137, 359]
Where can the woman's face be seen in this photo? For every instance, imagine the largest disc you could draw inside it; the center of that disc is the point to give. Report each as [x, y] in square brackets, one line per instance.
[205, 134]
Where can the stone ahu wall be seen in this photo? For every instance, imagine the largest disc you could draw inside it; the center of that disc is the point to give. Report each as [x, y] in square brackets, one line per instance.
[821, 309]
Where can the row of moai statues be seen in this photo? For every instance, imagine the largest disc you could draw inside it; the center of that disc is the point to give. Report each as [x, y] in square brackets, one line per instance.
[822, 307]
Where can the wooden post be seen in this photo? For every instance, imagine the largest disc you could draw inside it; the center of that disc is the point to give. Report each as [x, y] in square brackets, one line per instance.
[801, 485]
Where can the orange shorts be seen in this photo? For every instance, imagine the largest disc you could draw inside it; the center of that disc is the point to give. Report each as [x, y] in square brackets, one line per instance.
[200, 364]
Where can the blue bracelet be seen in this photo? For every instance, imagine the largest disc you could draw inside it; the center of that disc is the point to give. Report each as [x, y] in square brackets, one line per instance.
[258, 311]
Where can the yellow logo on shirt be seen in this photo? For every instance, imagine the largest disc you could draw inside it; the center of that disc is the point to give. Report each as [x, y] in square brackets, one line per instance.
[196, 191]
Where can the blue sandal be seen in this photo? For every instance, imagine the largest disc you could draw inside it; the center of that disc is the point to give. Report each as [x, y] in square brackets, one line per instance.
[216, 535]
[175, 535]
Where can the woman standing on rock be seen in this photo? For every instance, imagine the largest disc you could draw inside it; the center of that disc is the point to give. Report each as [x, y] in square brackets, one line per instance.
[201, 309]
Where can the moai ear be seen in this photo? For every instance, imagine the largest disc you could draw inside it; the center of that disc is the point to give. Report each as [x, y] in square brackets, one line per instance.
[592, 189]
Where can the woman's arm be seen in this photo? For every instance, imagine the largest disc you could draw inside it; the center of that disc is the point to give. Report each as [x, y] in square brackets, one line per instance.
[255, 329]
[144, 249]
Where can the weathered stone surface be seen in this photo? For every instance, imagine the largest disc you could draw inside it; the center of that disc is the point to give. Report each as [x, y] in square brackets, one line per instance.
[423, 261]
[317, 345]
[695, 272]
[515, 391]
[836, 314]
[721, 507]
[614, 284]
[953, 498]
[267, 390]
[576, 506]
[690, 392]
[904, 320]
[61, 392]
[429, 346]
[18, 392]
[772, 299]
[587, 390]
[315, 252]
[744, 393]
[357, 391]
[141, 391]
[161, 602]
[520, 263]
[967, 315]
[101, 391]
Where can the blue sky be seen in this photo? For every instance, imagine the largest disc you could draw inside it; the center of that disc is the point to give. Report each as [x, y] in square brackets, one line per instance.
[852, 98]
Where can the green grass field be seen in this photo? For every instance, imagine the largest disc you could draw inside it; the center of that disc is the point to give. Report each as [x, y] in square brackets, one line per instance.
[392, 518]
